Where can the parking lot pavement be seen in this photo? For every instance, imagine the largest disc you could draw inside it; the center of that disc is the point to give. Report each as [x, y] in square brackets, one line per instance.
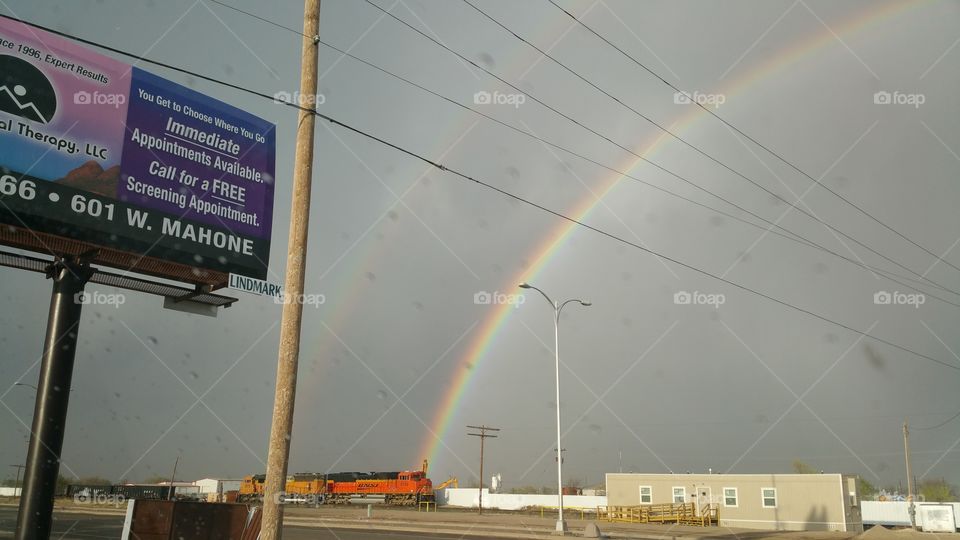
[84, 526]
[84, 521]
[72, 526]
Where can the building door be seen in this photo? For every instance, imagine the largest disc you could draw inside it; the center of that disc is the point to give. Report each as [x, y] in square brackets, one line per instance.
[704, 497]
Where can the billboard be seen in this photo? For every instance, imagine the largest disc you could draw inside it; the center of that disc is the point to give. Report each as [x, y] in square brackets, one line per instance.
[100, 153]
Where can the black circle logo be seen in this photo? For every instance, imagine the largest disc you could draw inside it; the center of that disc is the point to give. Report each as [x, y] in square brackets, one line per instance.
[25, 91]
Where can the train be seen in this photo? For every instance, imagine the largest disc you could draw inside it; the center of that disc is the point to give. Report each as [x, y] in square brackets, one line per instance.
[123, 492]
[403, 488]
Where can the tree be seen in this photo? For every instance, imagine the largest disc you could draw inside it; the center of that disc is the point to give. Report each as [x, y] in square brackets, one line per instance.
[937, 491]
[93, 481]
[866, 490]
[156, 479]
[574, 483]
[62, 483]
[800, 467]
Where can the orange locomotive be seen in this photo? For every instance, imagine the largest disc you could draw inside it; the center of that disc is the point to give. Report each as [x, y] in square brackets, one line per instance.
[397, 488]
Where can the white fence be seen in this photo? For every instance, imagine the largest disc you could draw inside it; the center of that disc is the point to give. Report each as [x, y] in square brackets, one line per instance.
[9, 492]
[896, 513]
[470, 498]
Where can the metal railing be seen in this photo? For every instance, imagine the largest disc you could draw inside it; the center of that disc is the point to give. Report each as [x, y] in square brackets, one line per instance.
[680, 514]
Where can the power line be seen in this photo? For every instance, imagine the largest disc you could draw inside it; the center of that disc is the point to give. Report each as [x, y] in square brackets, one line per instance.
[657, 165]
[941, 424]
[255, 16]
[790, 234]
[518, 198]
[666, 130]
[755, 141]
[157, 63]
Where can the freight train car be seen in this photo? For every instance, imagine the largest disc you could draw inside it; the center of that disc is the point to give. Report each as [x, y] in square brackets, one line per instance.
[121, 492]
[397, 488]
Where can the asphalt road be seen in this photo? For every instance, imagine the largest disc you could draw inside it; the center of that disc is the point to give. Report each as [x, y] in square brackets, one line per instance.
[87, 526]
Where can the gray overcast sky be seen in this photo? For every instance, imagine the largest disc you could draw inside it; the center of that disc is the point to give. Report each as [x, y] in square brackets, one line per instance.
[746, 387]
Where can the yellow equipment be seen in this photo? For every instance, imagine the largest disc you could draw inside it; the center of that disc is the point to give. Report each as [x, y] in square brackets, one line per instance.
[450, 482]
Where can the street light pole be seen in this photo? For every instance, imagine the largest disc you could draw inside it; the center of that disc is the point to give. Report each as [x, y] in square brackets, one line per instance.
[561, 524]
[557, 308]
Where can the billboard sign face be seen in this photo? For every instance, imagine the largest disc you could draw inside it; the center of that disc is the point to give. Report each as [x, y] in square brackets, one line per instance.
[101, 152]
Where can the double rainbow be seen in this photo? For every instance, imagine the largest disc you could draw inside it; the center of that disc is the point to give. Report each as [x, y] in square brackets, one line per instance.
[489, 329]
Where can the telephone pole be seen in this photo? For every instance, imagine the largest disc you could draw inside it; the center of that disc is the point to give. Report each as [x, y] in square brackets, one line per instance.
[483, 435]
[281, 430]
[16, 483]
[172, 478]
[910, 495]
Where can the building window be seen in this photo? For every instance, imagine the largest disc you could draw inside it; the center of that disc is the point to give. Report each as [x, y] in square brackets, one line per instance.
[769, 496]
[679, 495]
[646, 494]
[730, 497]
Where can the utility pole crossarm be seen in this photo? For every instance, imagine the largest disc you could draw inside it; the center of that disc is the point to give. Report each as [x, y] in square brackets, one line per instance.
[483, 436]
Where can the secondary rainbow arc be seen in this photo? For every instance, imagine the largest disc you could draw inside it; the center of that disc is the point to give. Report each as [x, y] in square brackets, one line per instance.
[488, 331]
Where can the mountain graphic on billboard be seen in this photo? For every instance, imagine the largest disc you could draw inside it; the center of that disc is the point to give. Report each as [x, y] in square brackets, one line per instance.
[25, 91]
[92, 177]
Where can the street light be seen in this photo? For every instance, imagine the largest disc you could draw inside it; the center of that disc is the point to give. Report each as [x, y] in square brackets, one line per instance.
[557, 308]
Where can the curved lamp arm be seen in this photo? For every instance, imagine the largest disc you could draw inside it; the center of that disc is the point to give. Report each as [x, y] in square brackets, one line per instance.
[556, 306]
[581, 302]
[526, 285]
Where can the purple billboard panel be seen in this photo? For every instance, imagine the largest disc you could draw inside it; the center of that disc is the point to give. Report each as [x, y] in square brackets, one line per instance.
[190, 155]
[97, 151]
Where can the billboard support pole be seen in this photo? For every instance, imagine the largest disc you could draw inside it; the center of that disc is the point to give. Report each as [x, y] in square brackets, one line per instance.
[35, 517]
[281, 429]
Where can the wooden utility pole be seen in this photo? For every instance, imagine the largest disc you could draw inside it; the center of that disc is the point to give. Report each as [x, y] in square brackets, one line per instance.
[172, 477]
[910, 495]
[483, 435]
[281, 430]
